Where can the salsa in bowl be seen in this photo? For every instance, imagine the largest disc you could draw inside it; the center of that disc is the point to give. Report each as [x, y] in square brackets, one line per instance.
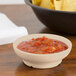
[42, 45]
[42, 50]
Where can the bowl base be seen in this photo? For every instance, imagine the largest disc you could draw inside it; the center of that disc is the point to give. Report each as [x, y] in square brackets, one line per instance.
[42, 66]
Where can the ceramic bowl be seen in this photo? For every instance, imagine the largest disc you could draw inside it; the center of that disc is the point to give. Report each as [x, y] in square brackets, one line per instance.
[59, 21]
[42, 61]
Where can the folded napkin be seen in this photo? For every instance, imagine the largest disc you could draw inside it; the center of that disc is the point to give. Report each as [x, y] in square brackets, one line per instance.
[9, 32]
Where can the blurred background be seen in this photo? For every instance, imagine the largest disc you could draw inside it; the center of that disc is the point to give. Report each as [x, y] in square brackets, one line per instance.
[11, 2]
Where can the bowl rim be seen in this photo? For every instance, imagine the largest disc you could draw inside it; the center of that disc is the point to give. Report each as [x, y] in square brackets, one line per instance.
[58, 11]
[15, 47]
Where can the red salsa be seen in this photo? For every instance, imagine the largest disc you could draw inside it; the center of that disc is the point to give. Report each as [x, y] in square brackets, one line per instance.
[42, 45]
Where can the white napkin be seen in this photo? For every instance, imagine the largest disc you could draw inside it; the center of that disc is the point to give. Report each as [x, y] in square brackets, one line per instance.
[9, 32]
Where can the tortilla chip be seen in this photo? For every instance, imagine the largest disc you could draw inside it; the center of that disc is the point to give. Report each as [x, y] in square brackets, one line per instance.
[36, 2]
[69, 5]
[47, 4]
[58, 4]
